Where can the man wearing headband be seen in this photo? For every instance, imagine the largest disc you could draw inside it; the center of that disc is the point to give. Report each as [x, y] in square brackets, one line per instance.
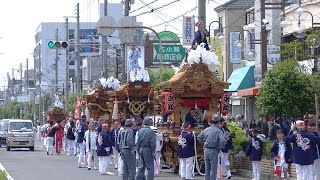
[201, 36]
[302, 153]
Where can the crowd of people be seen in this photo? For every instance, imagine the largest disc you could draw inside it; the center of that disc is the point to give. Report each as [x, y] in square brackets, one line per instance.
[126, 143]
[134, 147]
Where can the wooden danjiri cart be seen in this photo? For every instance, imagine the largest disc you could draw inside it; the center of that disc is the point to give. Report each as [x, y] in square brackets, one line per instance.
[99, 102]
[56, 114]
[193, 87]
[134, 99]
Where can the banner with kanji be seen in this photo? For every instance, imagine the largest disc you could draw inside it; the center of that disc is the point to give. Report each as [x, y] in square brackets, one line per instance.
[225, 103]
[168, 102]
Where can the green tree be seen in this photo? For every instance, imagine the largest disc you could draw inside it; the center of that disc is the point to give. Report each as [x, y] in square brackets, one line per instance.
[11, 110]
[285, 90]
[71, 101]
[167, 73]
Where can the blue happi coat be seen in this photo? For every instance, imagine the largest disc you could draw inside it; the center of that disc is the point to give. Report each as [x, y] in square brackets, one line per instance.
[186, 145]
[254, 149]
[104, 144]
[303, 147]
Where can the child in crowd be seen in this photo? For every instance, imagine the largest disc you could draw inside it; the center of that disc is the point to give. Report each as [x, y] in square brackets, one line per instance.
[254, 151]
[186, 151]
[281, 152]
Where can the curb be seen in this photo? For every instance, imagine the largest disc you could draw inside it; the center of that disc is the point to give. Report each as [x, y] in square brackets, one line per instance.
[248, 174]
[8, 175]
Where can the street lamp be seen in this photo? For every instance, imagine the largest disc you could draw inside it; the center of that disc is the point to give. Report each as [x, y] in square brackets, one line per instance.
[313, 41]
[240, 45]
[220, 30]
[299, 30]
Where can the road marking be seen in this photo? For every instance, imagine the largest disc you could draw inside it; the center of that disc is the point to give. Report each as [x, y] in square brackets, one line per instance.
[8, 175]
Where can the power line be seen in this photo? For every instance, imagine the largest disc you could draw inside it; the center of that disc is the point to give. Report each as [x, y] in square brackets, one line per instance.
[174, 18]
[145, 5]
[155, 9]
[157, 12]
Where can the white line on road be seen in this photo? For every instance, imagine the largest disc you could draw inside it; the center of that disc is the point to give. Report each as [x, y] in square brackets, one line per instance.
[8, 175]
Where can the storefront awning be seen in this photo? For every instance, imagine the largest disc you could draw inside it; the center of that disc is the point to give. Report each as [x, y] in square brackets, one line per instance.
[241, 78]
[248, 92]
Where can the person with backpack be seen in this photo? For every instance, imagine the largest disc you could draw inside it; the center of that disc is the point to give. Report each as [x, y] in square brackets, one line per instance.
[71, 139]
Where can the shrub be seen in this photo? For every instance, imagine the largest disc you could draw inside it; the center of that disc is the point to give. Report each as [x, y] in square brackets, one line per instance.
[267, 145]
[3, 175]
[239, 139]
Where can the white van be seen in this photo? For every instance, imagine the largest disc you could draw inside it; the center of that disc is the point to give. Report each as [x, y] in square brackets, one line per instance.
[20, 134]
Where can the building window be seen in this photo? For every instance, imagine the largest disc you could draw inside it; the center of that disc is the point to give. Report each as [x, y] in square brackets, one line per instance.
[72, 73]
[250, 16]
[71, 34]
[72, 62]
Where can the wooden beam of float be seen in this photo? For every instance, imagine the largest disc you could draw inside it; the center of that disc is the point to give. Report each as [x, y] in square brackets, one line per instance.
[137, 92]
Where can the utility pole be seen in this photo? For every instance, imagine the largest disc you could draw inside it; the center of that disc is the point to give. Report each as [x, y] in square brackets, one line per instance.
[126, 7]
[263, 33]
[40, 74]
[263, 36]
[21, 77]
[78, 51]
[27, 77]
[66, 92]
[126, 13]
[56, 62]
[103, 46]
[202, 11]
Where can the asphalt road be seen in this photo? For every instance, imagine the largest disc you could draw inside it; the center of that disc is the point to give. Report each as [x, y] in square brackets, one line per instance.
[26, 165]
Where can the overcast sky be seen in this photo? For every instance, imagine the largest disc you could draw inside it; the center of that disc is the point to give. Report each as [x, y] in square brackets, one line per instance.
[19, 20]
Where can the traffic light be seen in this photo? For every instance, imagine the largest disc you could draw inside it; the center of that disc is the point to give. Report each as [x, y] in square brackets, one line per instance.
[57, 44]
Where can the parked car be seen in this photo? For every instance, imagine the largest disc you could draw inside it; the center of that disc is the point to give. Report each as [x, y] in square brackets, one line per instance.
[3, 131]
[20, 134]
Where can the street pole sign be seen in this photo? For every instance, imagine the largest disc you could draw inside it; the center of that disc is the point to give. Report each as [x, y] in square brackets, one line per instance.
[170, 53]
[273, 54]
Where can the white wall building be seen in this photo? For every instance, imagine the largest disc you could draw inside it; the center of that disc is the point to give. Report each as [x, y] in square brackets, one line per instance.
[48, 31]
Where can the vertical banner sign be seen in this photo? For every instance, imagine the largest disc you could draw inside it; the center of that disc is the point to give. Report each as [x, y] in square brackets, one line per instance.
[77, 108]
[225, 103]
[250, 45]
[188, 30]
[235, 52]
[168, 102]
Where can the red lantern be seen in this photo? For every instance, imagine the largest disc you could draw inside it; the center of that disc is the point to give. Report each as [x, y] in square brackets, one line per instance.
[225, 103]
[168, 102]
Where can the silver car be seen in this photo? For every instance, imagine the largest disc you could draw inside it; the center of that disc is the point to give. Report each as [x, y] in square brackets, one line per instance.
[20, 134]
[3, 131]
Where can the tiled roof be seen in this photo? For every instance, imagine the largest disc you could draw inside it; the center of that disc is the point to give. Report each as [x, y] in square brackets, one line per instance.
[233, 4]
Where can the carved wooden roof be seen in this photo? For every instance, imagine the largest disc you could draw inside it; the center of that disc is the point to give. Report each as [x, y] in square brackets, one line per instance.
[195, 81]
[134, 89]
[99, 101]
[57, 114]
